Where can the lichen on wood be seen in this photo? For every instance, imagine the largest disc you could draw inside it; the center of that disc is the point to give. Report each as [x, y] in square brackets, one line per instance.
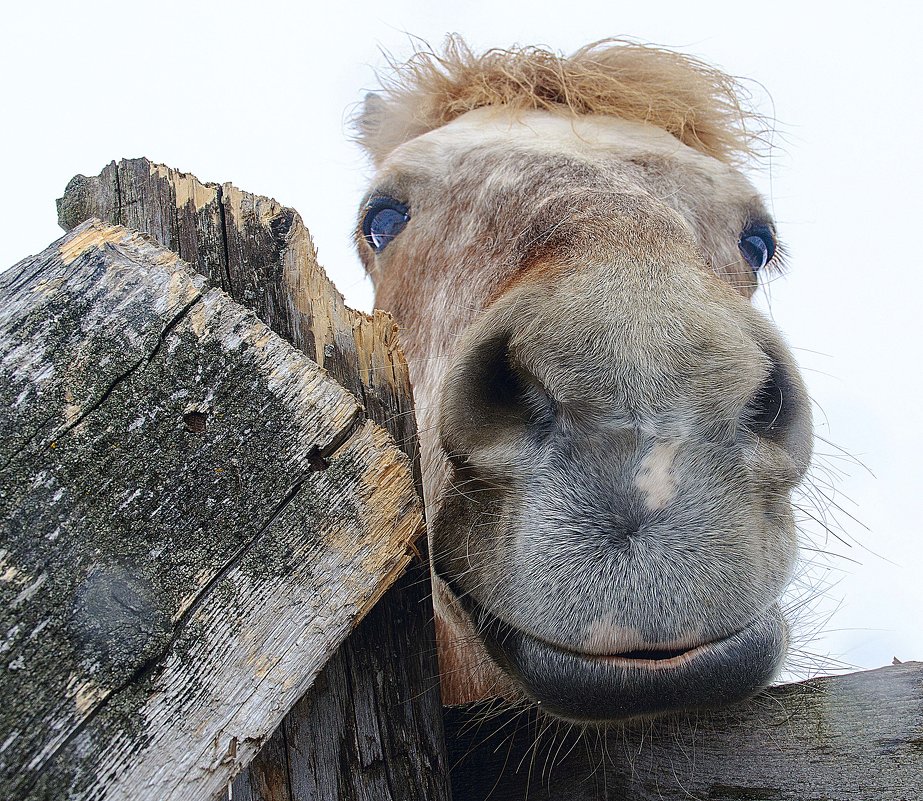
[194, 515]
[261, 253]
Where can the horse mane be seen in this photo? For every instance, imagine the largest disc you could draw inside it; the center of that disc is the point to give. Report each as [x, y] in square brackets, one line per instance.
[698, 104]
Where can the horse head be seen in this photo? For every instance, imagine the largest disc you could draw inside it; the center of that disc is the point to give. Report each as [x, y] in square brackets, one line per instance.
[610, 432]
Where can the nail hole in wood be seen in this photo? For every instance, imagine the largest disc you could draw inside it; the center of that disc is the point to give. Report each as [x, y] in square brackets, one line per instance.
[195, 422]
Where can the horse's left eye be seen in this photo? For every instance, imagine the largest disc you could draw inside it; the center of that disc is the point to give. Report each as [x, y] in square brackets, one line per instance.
[758, 245]
[384, 219]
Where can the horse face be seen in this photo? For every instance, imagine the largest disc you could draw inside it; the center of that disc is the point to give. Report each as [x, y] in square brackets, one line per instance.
[610, 432]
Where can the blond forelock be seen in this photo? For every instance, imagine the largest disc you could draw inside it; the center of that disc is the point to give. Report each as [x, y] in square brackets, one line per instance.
[698, 104]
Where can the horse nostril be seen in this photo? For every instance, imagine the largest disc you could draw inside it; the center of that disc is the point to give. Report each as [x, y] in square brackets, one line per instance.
[493, 409]
[502, 383]
[771, 408]
[508, 392]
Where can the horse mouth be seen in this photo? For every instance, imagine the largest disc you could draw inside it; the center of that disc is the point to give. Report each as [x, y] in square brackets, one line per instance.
[653, 659]
[598, 688]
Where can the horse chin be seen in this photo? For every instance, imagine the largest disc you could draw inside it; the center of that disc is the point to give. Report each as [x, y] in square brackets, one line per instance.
[592, 688]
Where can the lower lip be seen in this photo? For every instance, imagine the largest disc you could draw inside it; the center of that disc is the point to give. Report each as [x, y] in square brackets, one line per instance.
[595, 688]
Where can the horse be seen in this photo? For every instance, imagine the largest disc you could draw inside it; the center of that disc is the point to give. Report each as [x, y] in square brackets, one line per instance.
[610, 432]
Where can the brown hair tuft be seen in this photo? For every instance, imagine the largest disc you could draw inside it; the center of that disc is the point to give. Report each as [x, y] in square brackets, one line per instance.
[698, 104]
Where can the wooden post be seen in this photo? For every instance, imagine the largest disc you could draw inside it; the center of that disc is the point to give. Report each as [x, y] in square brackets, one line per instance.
[262, 255]
[120, 612]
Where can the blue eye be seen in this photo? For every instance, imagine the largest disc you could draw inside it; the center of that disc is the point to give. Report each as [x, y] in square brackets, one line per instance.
[758, 245]
[384, 219]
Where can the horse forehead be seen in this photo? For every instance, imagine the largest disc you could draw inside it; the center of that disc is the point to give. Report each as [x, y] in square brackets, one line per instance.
[590, 139]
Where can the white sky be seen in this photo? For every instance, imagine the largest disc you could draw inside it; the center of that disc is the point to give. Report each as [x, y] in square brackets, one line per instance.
[259, 94]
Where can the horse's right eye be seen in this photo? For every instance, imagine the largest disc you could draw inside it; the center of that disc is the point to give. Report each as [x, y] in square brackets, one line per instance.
[758, 245]
[384, 219]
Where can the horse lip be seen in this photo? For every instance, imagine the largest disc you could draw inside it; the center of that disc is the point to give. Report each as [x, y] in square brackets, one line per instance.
[677, 658]
[674, 657]
[592, 688]
[485, 621]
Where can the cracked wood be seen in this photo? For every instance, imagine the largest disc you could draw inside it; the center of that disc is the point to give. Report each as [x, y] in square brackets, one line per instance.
[262, 254]
[193, 516]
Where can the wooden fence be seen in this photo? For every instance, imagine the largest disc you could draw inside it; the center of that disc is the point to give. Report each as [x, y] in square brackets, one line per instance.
[212, 575]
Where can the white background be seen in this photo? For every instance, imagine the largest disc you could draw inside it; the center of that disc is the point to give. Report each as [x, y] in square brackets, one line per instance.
[260, 93]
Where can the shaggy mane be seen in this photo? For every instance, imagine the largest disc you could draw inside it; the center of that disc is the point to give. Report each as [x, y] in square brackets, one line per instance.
[698, 104]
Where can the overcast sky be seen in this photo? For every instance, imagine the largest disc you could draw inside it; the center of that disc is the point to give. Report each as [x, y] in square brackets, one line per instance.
[259, 94]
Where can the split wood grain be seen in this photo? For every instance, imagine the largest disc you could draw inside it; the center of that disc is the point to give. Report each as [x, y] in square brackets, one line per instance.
[194, 515]
[262, 254]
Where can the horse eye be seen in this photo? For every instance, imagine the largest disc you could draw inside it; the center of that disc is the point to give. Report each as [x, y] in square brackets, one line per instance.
[758, 245]
[384, 219]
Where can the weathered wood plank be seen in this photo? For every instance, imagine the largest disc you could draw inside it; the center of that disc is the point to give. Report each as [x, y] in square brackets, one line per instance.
[306, 762]
[261, 252]
[193, 516]
[846, 738]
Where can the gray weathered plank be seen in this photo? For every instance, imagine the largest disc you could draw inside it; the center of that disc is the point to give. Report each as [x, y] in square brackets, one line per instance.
[312, 755]
[193, 515]
[856, 737]
[261, 252]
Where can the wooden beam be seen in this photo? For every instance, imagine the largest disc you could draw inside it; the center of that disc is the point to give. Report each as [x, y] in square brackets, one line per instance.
[335, 744]
[262, 254]
[856, 737]
[194, 515]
